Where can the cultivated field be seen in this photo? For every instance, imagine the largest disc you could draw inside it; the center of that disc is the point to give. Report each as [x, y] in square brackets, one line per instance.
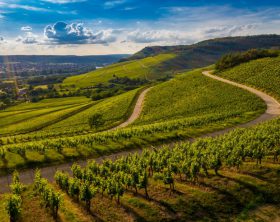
[143, 69]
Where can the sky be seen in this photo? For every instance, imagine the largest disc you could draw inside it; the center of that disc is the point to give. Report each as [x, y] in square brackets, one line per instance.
[94, 27]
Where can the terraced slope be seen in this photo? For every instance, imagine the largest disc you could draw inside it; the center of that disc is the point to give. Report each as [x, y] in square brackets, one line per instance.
[143, 69]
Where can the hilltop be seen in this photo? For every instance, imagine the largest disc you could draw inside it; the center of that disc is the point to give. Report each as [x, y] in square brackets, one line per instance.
[206, 52]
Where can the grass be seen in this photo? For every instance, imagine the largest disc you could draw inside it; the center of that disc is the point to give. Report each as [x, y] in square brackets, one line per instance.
[262, 74]
[142, 69]
[193, 95]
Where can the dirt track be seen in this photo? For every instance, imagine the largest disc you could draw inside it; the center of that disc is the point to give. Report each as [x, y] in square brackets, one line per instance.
[137, 110]
[273, 110]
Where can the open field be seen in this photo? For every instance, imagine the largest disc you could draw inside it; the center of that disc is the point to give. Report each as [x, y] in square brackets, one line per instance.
[142, 69]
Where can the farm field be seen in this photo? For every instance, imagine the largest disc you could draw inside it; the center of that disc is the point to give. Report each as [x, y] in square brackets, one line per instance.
[28, 117]
[139, 111]
[194, 95]
[143, 69]
[210, 179]
[37, 149]
[262, 74]
[114, 110]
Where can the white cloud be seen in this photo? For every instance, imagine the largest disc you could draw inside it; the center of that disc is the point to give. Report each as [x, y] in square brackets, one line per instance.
[158, 36]
[25, 7]
[77, 33]
[112, 4]
[26, 28]
[63, 1]
[28, 38]
[229, 30]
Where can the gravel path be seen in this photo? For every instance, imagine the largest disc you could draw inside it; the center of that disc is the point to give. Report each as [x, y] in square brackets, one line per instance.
[273, 110]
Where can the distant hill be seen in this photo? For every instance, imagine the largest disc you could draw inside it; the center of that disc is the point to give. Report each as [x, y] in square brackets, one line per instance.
[206, 52]
[25, 66]
[94, 59]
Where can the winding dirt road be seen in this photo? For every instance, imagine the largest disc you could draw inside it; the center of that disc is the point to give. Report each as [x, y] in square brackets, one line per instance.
[273, 110]
[137, 110]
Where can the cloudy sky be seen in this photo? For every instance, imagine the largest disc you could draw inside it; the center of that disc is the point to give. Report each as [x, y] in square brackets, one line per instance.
[87, 27]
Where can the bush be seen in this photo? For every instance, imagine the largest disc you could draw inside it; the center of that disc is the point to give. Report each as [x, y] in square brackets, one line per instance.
[234, 59]
[96, 121]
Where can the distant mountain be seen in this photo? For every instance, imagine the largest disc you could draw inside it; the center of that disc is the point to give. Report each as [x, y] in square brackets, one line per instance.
[206, 52]
[94, 59]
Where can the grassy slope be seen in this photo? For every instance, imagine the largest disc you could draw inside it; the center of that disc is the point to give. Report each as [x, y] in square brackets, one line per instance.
[192, 95]
[113, 109]
[243, 195]
[262, 74]
[133, 69]
[30, 116]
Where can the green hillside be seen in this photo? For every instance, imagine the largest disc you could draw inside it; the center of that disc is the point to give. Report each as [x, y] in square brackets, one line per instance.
[144, 69]
[193, 95]
[234, 177]
[206, 52]
[115, 110]
[262, 74]
[28, 117]
[184, 107]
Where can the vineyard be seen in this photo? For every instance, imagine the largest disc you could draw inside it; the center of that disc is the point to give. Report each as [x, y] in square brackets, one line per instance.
[194, 95]
[143, 69]
[231, 177]
[262, 74]
[238, 171]
[195, 114]
[29, 117]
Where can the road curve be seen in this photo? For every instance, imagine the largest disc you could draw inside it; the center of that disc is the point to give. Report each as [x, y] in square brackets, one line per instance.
[273, 106]
[272, 111]
[27, 176]
[137, 110]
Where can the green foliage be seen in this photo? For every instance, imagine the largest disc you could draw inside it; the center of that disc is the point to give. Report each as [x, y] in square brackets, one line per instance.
[49, 196]
[95, 121]
[87, 192]
[16, 187]
[14, 207]
[234, 59]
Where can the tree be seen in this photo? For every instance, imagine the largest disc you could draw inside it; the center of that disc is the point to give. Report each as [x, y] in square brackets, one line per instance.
[96, 121]
[13, 207]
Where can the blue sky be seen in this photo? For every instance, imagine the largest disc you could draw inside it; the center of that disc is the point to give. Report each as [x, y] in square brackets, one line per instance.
[125, 26]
